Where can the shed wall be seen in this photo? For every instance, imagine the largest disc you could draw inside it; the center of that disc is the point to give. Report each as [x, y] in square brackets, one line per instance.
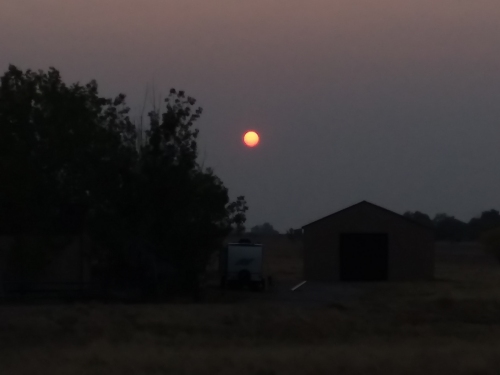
[411, 247]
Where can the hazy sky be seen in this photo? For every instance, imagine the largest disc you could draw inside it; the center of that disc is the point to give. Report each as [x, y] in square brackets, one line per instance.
[392, 101]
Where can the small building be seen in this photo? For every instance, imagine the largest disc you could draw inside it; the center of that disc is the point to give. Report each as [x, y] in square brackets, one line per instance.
[366, 242]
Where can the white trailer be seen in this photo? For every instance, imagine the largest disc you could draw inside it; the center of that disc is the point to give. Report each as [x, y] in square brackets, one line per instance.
[241, 265]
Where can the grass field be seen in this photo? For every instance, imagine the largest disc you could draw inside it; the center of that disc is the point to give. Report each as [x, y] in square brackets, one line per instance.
[451, 325]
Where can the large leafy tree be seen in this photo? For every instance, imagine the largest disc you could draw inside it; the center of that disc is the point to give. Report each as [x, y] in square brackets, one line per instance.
[488, 220]
[265, 228]
[419, 217]
[449, 228]
[62, 149]
[183, 208]
[69, 161]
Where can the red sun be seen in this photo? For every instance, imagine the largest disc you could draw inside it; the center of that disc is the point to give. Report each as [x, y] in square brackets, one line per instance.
[251, 139]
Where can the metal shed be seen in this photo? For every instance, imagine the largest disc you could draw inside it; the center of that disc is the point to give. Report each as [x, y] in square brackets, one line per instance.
[366, 242]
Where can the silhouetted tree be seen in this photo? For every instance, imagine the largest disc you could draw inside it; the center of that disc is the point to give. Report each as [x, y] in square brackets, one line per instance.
[63, 151]
[294, 234]
[265, 228]
[62, 148]
[419, 217]
[449, 228]
[181, 207]
[487, 221]
[69, 160]
[237, 215]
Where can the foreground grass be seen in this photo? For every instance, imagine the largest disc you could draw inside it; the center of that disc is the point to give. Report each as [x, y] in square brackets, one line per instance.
[448, 326]
[345, 359]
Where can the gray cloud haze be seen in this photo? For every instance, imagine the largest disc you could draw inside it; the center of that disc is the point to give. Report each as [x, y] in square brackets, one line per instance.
[391, 101]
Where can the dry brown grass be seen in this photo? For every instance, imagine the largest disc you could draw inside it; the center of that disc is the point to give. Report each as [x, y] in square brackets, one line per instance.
[102, 358]
[451, 325]
[284, 258]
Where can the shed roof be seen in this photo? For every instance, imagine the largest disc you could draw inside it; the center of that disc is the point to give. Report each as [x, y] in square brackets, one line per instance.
[375, 206]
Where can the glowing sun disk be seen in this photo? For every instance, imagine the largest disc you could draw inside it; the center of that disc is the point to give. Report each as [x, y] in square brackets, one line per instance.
[251, 139]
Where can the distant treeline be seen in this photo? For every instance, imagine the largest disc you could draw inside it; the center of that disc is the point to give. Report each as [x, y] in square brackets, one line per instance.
[448, 228]
[267, 229]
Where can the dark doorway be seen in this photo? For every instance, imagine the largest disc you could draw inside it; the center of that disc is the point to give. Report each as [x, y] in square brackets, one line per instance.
[363, 256]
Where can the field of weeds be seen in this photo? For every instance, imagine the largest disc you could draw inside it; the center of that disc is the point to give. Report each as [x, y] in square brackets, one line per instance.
[451, 325]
